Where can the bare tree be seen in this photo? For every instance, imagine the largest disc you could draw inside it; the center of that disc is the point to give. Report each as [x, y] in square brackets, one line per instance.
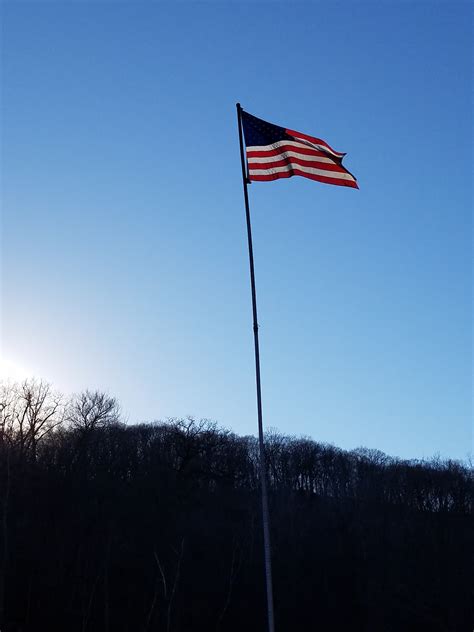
[167, 594]
[93, 409]
[29, 411]
[7, 412]
[235, 565]
[6, 423]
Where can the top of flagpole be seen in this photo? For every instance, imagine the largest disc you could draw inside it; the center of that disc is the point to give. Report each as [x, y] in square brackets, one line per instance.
[242, 151]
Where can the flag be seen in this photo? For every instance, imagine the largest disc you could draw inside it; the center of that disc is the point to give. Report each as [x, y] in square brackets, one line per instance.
[276, 152]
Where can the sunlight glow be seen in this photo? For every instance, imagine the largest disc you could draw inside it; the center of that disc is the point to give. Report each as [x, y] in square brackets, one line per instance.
[12, 371]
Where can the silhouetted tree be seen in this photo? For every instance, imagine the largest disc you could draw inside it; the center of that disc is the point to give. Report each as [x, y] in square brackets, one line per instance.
[91, 410]
[115, 527]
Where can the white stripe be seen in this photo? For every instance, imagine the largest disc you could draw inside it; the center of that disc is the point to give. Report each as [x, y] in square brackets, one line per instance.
[290, 154]
[296, 144]
[278, 144]
[319, 147]
[315, 172]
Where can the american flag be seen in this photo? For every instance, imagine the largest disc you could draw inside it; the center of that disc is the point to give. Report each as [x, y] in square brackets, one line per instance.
[276, 152]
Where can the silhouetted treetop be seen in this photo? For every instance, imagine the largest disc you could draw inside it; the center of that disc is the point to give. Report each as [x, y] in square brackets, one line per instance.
[110, 526]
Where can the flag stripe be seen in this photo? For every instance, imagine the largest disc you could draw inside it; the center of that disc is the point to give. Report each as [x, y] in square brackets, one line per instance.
[273, 161]
[263, 156]
[304, 170]
[297, 172]
[285, 145]
[315, 141]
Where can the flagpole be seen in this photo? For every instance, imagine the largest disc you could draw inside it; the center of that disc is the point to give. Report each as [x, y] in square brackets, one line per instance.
[263, 469]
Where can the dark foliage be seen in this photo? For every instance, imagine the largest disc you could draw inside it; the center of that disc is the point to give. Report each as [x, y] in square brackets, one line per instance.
[107, 527]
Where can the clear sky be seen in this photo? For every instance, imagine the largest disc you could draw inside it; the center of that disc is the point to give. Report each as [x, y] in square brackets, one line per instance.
[124, 256]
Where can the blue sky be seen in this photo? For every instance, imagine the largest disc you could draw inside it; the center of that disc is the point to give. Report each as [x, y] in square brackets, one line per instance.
[124, 261]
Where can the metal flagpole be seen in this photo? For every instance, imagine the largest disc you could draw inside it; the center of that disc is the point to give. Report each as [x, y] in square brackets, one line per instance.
[263, 469]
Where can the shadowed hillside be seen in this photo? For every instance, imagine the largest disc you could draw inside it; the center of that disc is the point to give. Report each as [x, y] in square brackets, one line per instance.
[156, 527]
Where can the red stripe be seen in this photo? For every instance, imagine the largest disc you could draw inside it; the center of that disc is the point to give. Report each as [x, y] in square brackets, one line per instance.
[297, 172]
[255, 164]
[307, 151]
[312, 139]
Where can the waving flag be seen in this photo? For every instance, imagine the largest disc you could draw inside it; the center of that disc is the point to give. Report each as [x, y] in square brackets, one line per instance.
[275, 152]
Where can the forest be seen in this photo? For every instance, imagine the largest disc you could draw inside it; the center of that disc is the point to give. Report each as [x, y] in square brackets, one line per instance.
[117, 527]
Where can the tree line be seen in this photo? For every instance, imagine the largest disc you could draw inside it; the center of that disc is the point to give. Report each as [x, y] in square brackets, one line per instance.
[156, 527]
